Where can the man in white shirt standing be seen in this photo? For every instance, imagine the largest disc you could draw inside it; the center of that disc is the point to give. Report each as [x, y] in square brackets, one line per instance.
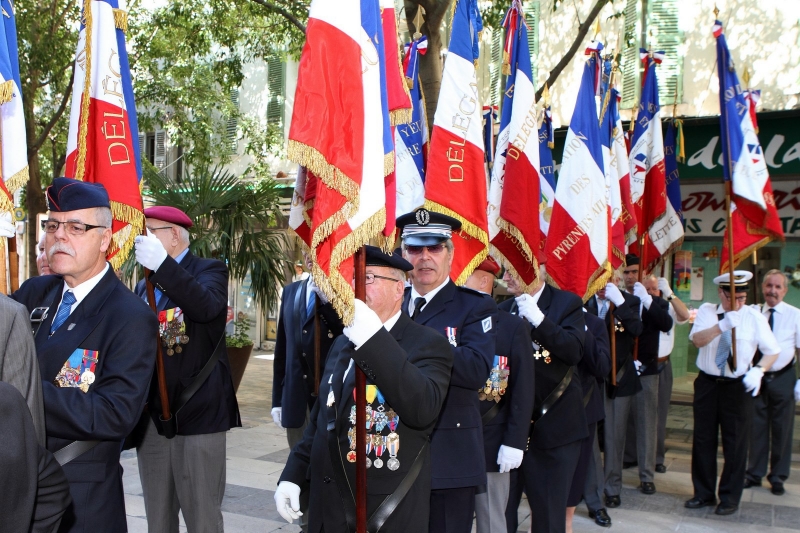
[773, 410]
[721, 399]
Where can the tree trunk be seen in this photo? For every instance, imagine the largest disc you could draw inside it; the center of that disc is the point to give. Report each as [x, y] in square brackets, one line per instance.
[34, 198]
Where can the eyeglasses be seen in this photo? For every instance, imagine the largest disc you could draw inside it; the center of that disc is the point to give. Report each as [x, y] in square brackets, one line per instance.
[71, 227]
[162, 227]
[371, 278]
[738, 298]
[435, 249]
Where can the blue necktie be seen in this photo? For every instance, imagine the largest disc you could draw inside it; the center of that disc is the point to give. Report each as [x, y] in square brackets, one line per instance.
[603, 310]
[63, 311]
[312, 300]
[723, 350]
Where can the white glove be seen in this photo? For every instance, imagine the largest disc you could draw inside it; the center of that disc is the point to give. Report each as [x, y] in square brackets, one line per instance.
[276, 416]
[509, 458]
[732, 319]
[752, 380]
[314, 287]
[640, 292]
[638, 365]
[7, 227]
[529, 309]
[366, 323]
[797, 391]
[150, 253]
[663, 286]
[287, 500]
[613, 294]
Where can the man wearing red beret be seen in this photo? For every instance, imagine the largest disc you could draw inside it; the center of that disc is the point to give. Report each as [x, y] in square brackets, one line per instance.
[187, 472]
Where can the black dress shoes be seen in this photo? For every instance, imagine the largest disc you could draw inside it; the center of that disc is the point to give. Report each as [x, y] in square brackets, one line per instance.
[777, 489]
[661, 469]
[648, 487]
[601, 517]
[725, 509]
[698, 503]
[750, 483]
[613, 501]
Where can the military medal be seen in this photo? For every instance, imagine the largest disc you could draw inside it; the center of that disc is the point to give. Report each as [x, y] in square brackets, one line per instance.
[497, 383]
[378, 443]
[351, 456]
[79, 370]
[393, 446]
[172, 329]
[369, 445]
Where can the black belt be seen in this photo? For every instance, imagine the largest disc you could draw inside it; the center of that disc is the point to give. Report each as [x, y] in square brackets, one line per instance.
[553, 397]
[721, 379]
[773, 375]
[493, 412]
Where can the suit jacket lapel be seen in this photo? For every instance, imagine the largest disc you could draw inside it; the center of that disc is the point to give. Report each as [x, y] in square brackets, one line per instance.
[438, 304]
[545, 299]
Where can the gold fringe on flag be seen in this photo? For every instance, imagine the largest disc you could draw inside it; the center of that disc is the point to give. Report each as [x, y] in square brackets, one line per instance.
[122, 240]
[506, 64]
[400, 116]
[388, 163]
[6, 91]
[470, 229]
[314, 161]
[121, 20]
[409, 82]
[18, 180]
[83, 127]
[6, 204]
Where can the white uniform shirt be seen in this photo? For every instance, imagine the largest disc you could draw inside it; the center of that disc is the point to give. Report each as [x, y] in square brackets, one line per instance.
[666, 339]
[752, 333]
[786, 322]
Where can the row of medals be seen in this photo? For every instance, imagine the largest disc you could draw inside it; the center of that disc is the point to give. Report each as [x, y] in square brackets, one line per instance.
[495, 386]
[173, 335]
[377, 419]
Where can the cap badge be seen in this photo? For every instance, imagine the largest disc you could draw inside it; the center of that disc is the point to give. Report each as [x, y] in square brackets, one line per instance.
[423, 217]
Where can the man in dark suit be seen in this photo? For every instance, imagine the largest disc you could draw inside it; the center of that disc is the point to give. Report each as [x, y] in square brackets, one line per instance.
[96, 349]
[627, 326]
[466, 319]
[559, 420]
[506, 406]
[187, 472]
[407, 367]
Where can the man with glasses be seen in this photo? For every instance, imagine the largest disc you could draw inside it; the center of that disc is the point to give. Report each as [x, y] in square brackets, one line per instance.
[187, 472]
[407, 368]
[96, 350]
[722, 390]
[466, 319]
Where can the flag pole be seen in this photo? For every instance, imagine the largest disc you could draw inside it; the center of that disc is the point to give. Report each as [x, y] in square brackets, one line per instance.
[4, 285]
[13, 265]
[317, 334]
[360, 260]
[613, 334]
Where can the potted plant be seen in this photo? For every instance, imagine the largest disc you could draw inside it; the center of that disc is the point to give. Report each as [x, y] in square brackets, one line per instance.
[240, 345]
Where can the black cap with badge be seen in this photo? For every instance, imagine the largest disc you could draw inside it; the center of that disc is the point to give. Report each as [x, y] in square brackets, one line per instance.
[426, 228]
[377, 257]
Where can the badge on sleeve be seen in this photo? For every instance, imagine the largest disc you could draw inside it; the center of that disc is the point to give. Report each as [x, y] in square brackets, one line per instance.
[486, 323]
[79, 370]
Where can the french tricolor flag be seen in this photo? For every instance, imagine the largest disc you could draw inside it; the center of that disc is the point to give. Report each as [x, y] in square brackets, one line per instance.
[614, 171]
[103, 139]
[456, 180]
[547, 174]
[513, 233]
[578, 246]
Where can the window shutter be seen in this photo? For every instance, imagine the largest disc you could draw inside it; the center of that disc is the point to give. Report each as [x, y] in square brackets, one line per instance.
[532, 18]
[160, 157]
[231, 136]
[142, 152]
[664, 34]
[495, 67]
[630, 55]
[276, 84]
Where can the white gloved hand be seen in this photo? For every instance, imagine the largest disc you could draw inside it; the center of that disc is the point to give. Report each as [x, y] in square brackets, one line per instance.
[366, 323]
[7, 227]
[752, 380]
[287, 500]
[529, 309]
[314, 287]
[797, 391]
[663, 286]
[509, 458]
[640, 292]
[276, 416]
[732, 320]
[150, 253]
[638, 365]
[613, 293]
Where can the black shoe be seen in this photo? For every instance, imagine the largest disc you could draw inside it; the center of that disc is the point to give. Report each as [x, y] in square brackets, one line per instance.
[626, 464]
[613, 501]
[661, 469]
[724, 509]
[698, 503]
[648, 487]
[601, 517]
[777, 489]
[750, 483]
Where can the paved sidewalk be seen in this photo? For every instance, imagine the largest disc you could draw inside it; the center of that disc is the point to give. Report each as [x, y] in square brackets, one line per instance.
[258, 451]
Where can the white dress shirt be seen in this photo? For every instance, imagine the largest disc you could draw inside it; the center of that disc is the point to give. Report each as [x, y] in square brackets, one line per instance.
[666, 341]
[428, 297]
[786, 322]
[81, 290]
[752, 333]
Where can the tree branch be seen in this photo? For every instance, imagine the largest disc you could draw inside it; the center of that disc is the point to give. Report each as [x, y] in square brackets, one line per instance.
[37, 145]
[583, 29]
[285, 13]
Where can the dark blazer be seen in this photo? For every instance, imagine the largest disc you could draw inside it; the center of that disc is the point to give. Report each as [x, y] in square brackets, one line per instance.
[411, 367]
[35, 489]
[594, 367]
[627, 317]
[457, 441]
[654, 321]
[117, 324]
[512, 424]
[562, 333]
[200, 288]
[293, 366]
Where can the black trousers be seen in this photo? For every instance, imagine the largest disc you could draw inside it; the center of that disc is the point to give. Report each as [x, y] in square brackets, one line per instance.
[452, 510]
[546, 476]
[582, 468]
[773, 420]
[720, 405]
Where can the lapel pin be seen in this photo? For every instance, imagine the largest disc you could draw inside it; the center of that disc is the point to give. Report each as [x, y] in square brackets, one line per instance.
[69, 328]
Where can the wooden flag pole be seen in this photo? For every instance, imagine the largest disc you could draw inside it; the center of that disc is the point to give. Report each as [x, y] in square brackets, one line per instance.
[613, 335]
[731, 285]
[360, 261]
[3, 272]
[317, 334]
[13, 265]
[642, 243]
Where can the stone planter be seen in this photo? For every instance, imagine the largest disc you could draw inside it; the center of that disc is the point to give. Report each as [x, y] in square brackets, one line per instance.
[238, 358]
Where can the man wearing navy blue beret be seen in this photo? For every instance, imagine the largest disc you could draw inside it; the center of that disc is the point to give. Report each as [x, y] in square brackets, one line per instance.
[96, 348]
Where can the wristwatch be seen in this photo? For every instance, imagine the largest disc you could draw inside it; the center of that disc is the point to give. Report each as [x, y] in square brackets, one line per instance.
[670, 297]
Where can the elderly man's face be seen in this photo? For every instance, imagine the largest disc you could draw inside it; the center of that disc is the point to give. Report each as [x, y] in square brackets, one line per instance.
[166, 232]
[732, 303]
[77, 257]
[651, 284]
[42, 266]
[385, 293]
[431, 266]
[774, 288]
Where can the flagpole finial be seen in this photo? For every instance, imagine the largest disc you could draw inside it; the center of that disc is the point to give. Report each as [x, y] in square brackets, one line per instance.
[716, 11]
[596, 28]
[418, 20]
[746, 77]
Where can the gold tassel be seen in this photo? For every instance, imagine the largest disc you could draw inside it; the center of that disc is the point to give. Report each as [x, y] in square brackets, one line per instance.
[506, 64]
[317, 163]
[6, 205]
[6, 91]
[400, 116]
[388, 163]
[121, 20]
[18, 180]
[409, 82]
[123, 239]
[551, 145]
[680, 155]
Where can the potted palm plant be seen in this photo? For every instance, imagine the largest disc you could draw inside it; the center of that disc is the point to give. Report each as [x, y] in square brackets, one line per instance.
[239, 345]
